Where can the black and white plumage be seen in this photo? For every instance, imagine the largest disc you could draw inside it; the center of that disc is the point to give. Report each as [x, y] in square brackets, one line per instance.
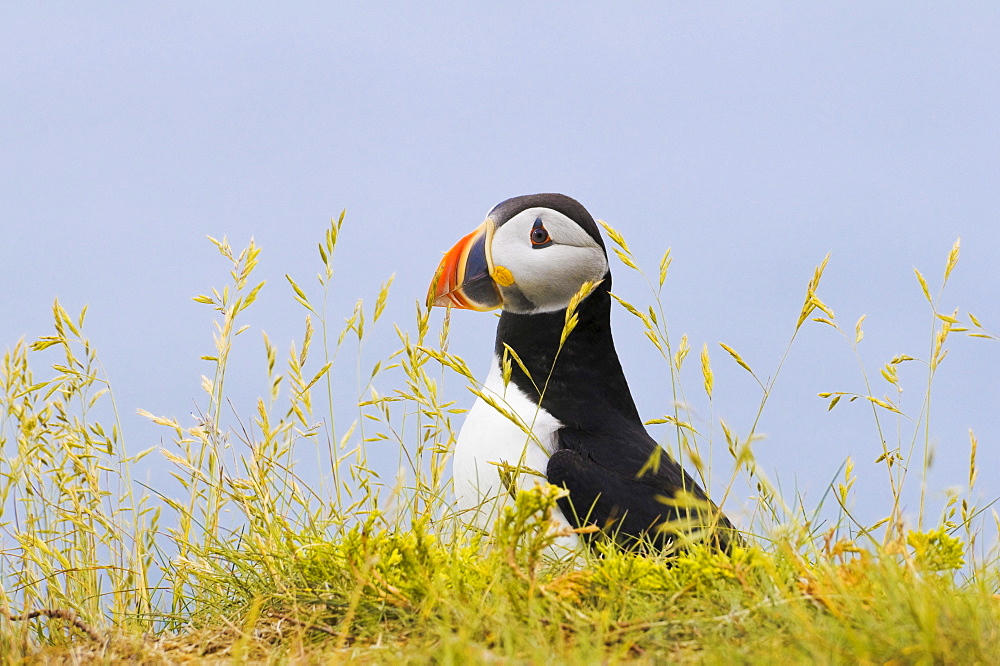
[531, 256]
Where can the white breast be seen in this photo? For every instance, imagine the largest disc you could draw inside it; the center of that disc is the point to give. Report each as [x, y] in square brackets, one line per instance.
[489, 437]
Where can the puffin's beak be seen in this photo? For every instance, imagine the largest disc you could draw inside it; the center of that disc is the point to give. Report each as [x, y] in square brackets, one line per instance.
[463, 278]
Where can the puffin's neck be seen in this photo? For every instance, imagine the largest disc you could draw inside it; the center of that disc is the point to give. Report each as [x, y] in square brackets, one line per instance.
[587, 388]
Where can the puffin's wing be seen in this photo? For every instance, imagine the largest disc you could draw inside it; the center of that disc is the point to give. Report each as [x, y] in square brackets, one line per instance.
[617, 487]
[605, 499]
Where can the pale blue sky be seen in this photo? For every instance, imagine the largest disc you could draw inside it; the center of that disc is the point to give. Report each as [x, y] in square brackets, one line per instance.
[750, 138]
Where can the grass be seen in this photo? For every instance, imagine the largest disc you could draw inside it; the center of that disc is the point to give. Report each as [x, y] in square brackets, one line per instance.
[261, 558]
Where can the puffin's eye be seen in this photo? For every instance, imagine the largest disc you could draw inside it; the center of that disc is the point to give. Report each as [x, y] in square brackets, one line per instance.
[539, 236]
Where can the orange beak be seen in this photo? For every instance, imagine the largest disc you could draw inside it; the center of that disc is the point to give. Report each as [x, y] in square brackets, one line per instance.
[463, 278]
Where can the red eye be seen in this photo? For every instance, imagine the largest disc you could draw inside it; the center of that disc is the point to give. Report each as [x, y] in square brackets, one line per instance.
[539, 236]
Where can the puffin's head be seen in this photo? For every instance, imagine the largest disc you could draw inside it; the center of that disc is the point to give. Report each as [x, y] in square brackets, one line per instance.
[531, 254]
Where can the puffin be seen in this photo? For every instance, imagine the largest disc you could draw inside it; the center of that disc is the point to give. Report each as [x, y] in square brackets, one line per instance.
[571, 419]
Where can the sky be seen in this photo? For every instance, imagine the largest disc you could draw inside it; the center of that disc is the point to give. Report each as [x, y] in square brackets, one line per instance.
[750, 138]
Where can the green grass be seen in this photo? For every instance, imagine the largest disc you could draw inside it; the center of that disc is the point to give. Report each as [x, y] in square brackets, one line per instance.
[251, 561]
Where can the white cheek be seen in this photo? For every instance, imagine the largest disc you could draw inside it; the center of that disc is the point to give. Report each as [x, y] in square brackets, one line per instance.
[509, 247]
[548, 289]
[549, 276]
[551, 289]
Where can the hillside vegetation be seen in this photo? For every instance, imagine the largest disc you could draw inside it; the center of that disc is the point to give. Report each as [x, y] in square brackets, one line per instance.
[287, 544]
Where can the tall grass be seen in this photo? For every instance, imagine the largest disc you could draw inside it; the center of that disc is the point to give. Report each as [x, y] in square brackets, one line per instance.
[288, 542]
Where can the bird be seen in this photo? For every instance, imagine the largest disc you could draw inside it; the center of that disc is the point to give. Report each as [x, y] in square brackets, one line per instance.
[531, 257]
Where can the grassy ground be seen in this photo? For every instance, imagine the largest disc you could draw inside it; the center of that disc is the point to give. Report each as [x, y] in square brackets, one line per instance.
[253, 562]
